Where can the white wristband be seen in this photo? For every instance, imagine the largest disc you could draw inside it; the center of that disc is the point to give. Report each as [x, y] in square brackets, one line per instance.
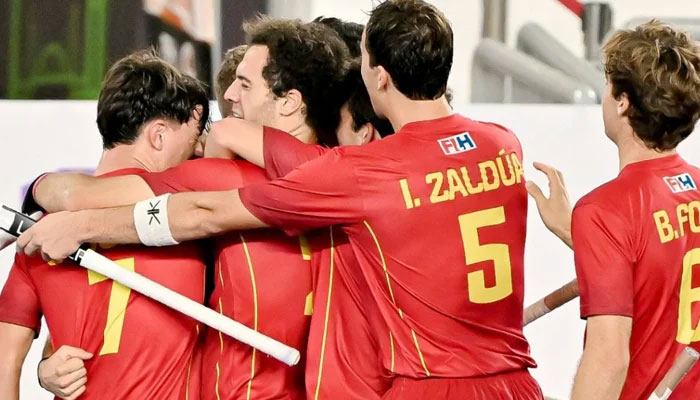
[151, 221]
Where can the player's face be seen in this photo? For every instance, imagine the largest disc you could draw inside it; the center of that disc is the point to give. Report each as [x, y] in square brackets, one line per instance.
[249, 94]
[181, 141]
[345, 134]
[369, 77]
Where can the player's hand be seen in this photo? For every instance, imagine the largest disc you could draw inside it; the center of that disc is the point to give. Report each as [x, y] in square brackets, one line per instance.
[217, 139]
[64, 373]
[55, 237]
[555, 210]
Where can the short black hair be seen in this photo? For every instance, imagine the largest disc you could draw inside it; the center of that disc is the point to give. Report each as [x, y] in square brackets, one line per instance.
[413, 41]
[141, 87]
[360, 105]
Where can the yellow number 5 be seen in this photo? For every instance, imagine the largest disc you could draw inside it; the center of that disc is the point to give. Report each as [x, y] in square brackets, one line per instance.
[475, 253]
[118, 299]
[689, 295]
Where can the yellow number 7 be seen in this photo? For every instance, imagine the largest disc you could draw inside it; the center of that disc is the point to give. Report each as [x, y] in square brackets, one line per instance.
[475, 253]
[118, 299]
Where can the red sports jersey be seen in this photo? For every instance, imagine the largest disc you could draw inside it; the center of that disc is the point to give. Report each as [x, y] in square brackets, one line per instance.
[262, 280]
[435, 216]
[343, 357]
[142, 349]
[637, 248]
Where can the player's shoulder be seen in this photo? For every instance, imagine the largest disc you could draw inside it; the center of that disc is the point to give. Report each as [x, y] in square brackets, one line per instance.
[495, 132]
[203, 163]
[611, 195]
[222, 166]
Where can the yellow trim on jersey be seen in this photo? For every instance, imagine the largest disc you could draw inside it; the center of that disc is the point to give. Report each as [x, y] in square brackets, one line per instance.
[218, 375]
[221, 341]
[393, 300]
[309, 304]
[221, 276]
[221, 336]
[255, 313]
[420, 353]
[189, 374]
[381, 255]
[391, 342]
[325, 322]
[305, 248]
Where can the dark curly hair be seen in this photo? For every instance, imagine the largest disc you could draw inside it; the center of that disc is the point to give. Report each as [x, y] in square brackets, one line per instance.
[658, 68]
[349, 32]
[413, 41]
[141, 87]
[308, 57]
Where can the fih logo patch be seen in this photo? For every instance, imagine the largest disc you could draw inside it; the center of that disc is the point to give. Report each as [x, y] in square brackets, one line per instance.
[457, 144]
[680, 183]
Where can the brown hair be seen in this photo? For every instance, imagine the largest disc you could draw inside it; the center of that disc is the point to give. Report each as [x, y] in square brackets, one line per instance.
[412, 40]
[657, 68]
[310, 58]
[141, 87]
[227, 74]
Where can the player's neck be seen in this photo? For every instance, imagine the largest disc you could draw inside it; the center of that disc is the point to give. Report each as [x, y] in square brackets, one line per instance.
[300, 130]
[631, 149]
[121, 157]
[404, 111]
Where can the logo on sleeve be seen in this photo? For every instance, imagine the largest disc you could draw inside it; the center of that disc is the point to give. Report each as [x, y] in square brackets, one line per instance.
[457, 144]
[680, 183]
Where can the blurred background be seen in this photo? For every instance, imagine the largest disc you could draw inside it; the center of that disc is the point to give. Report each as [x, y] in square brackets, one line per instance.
[506, 51]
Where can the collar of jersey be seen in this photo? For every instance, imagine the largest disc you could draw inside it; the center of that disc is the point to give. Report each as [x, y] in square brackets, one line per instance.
[668, 162]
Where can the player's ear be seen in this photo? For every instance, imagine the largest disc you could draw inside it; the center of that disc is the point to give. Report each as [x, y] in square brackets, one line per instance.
[155, 131]
[367, 133]
[623, 104]
[291, 102]
[383, 78]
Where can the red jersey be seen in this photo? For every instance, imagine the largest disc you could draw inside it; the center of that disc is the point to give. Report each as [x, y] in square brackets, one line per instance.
[142, 349]
[435, 217]
[343, 356]
[262, 280]
[637, 249]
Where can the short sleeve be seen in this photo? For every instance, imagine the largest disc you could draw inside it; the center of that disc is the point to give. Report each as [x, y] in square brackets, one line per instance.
[319, 193]
[200, 175]
[19, 300]
[604, 265]
[283, 152]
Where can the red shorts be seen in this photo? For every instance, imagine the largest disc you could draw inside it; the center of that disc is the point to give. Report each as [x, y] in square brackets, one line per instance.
[518, 385]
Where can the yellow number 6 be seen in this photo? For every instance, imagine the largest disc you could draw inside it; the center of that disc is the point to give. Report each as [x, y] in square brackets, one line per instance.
[475, 253]
[689, 295]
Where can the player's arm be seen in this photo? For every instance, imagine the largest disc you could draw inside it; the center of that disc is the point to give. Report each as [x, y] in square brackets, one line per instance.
[283, 152]
[191, 216]
[603, 367]
[72, 191]
[276, 151]
[555, 211]
[321, 193]
[234, 136]
[20, 321]
[15, 341]
[604, 254]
